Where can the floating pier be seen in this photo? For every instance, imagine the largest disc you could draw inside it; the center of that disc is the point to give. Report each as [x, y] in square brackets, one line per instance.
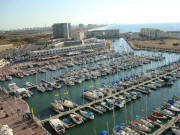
[95, 110]
[168, 125]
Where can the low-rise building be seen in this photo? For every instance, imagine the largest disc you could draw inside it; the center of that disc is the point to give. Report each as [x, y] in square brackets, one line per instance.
[150, 33]
[97, 45]
[81, 26]
[174, 34]
[78, 35]
[77, 42]
[103, 33]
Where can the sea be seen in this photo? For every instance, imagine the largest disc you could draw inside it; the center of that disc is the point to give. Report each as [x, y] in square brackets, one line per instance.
[136, 27]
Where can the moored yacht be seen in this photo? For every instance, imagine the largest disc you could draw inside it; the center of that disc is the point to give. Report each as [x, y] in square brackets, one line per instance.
[41, 88]
[57, 125]
[89, 115]
[77, 119]
[67, 103]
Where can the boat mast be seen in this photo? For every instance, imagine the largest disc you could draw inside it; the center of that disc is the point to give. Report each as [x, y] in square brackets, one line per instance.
[107, 124]
[114, 120]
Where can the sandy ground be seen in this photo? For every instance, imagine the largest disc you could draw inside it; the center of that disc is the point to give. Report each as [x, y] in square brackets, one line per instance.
[165, 44]
[6, 47]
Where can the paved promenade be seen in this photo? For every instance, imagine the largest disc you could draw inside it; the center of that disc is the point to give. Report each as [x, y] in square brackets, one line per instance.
[11, 114]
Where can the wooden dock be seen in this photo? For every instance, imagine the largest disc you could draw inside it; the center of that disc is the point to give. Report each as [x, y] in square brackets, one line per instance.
[95, 110]
[88, 105]
[168, 125]
[143, 91]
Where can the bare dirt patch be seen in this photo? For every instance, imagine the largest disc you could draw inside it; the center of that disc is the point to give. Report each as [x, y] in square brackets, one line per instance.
[165, 44]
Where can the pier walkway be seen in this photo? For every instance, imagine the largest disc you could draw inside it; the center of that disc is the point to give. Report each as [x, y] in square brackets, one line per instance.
[89, 105]
[168, 125]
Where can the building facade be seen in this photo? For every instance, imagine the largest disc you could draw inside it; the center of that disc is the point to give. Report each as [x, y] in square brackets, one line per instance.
[62, 30]
[81, 26]
[65, 50]
[174, 34]
[78, 35]
[150, 33]
[103, 34]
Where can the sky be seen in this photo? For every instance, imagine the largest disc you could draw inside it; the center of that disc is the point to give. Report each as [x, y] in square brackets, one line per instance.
[17, 14]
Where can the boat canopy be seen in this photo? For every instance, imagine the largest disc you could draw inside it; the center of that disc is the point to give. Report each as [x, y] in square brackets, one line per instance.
[90, 113]
[122, 124]
[171, 102]
[104, 132]
[21, 90]
[67, 121]
[138, 116]
[117, 127]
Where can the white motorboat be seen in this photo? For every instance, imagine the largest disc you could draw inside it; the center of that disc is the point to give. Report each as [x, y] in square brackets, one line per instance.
[89, 115]
[119, 104]
[175, 130]
[41, 88]
[100, 108]
[12, 87]
[77, 119]
[48, 87]
[67, 103]
[173, 108]
[57, 105]
[57, 125]
[8, 77]
[90, 95]
[28, 84]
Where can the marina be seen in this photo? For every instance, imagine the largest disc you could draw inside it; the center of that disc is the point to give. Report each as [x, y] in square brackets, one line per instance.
[71, 67]
[110, 96]
[116, 81]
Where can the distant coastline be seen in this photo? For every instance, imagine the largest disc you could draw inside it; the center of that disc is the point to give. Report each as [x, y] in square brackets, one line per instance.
[136, 27]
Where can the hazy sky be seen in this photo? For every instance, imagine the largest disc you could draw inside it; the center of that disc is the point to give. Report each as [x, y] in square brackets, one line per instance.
[16, 14]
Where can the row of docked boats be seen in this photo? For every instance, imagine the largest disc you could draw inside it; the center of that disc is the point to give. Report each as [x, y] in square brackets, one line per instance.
[42, 67]
[59, 104]
[5, 78]
[92, 72]
[50, 86]
[148, 125]
[19, 92]
[60, 126]
[125, 83]
[139, 125]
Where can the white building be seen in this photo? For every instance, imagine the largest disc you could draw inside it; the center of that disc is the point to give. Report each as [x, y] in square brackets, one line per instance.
[97, 45]
[153, 33]
[78, 35]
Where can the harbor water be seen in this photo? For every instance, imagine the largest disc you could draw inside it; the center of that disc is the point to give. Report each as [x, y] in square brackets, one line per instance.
[40, 102]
